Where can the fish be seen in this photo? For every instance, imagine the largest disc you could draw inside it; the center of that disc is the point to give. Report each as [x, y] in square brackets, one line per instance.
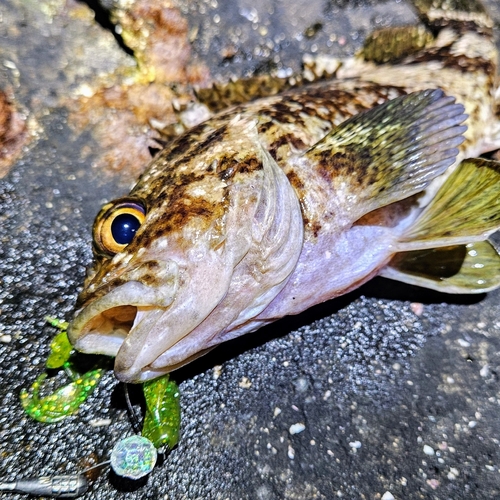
[276, 204]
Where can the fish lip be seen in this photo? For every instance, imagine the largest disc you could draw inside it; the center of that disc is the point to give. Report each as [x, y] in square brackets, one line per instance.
[101, 326]
[150, 372]
[137, 377]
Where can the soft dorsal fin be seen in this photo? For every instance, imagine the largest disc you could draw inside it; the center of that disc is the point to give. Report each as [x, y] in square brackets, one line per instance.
[469, 14]
[390, 152]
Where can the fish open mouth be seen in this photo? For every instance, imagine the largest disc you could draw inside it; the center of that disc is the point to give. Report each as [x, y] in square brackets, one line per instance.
[122, 332]
[149, 329]
[104, 324]
[105, 332]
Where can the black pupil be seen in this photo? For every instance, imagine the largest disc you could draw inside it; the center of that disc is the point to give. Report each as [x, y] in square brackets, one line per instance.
[124, 228]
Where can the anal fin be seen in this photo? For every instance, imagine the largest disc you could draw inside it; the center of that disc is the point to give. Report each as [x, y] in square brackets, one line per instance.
[471, 268]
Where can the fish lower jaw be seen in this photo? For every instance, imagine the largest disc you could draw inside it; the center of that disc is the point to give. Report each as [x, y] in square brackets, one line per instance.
[113, 332]
[129, 377]
[135, 375]
[97, 344]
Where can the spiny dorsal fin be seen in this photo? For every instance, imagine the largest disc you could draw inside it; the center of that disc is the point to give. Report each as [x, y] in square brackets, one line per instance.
[223, 95]
[471, 268]
[465, 209]
[391, 151]
[391, 45]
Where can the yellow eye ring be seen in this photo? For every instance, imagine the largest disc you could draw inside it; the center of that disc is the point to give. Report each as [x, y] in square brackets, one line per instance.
[116, 224]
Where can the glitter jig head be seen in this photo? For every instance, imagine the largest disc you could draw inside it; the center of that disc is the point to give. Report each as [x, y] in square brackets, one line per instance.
[133, 457]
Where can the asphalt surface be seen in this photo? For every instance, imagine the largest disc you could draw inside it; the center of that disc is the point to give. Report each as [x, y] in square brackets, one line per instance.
[396, 388]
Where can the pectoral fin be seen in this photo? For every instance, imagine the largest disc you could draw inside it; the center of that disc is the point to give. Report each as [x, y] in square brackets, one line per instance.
[471, 268]
[445, 248]
[391, 151]
[465, 209]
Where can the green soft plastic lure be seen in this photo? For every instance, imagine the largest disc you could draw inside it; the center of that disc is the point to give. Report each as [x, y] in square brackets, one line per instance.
[63, 402]
[60, 348]
[162, 419]
[135, 456]
[163, 414]
[66, 399]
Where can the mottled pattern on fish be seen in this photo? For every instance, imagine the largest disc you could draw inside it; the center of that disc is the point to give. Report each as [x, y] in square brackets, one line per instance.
[275, 205]
[461, 59]
[286, 124]
[453, 49]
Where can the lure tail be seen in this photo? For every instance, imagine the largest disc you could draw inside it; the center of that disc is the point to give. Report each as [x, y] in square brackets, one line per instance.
[446, 248]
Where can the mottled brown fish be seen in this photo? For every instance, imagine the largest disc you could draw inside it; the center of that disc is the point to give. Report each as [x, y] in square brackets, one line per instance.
[275, 205]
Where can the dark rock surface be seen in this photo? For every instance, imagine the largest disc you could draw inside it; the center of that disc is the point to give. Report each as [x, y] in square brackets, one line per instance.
[396, 387]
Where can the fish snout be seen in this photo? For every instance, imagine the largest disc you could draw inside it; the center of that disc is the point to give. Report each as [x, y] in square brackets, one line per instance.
[160, 276]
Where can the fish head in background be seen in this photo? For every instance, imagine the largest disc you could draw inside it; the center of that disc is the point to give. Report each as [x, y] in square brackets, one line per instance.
[177, 261]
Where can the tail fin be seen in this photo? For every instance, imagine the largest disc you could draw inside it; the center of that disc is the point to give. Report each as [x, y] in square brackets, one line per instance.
[445, 248]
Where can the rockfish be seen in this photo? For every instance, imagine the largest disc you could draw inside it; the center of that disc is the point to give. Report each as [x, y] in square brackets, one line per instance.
[275, 205]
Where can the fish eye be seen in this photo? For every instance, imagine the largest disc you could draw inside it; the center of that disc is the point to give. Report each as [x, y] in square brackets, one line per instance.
[116, 225]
